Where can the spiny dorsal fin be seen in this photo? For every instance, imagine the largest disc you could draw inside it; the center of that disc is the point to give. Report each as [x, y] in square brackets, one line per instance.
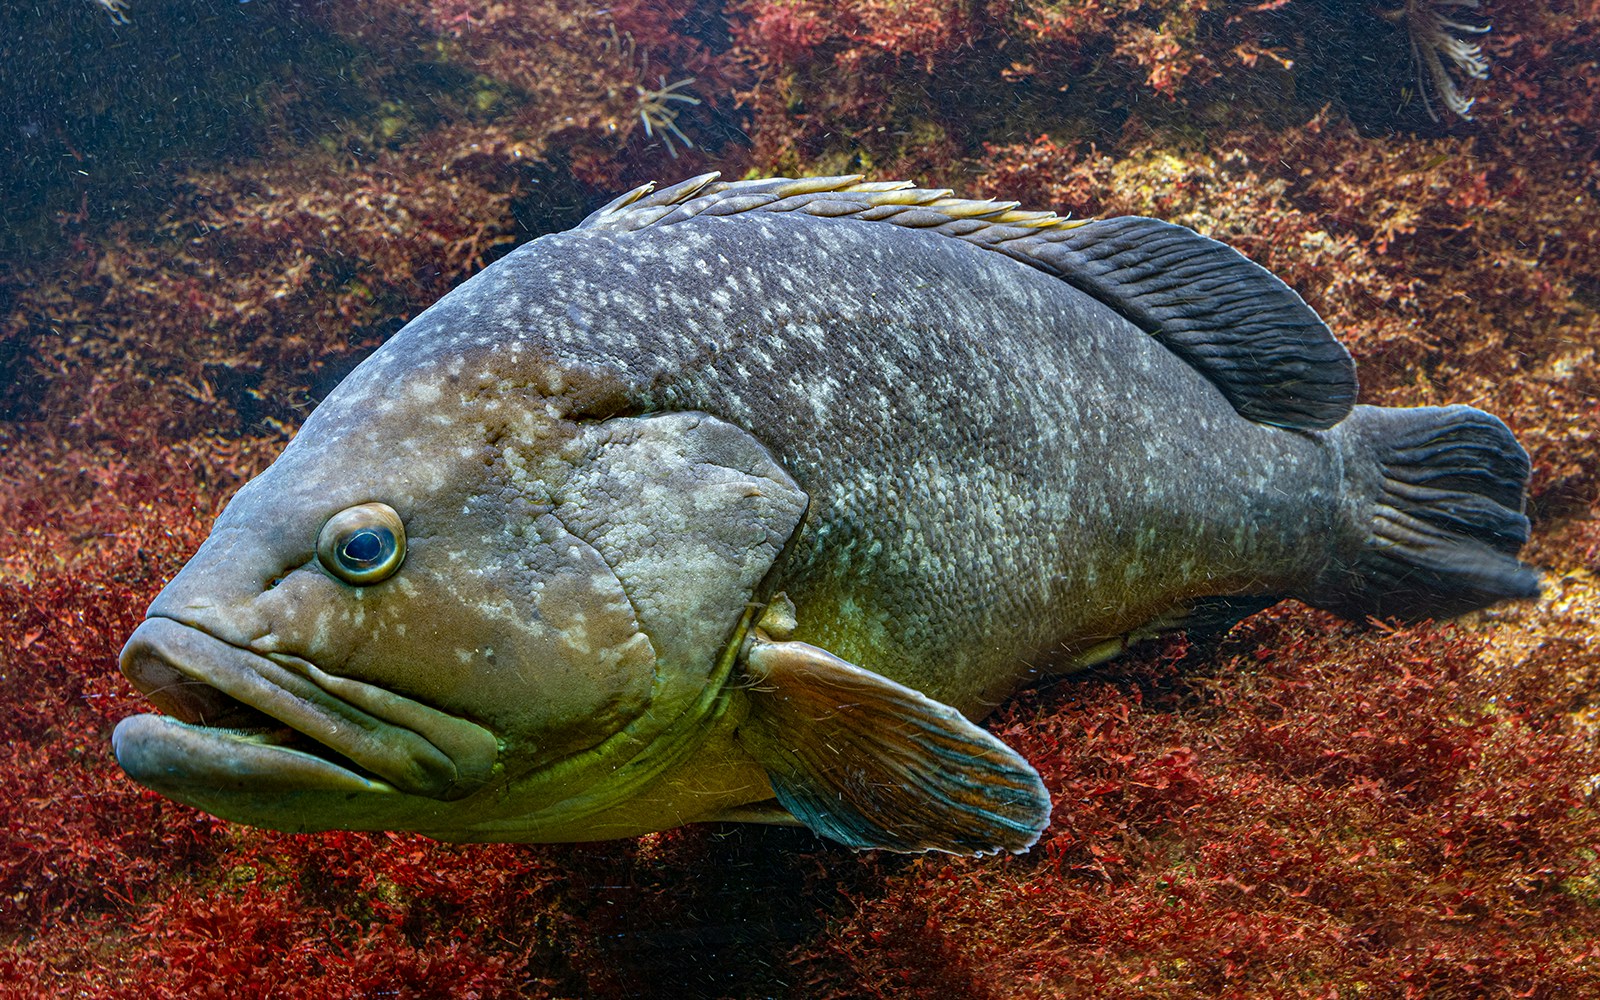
[1231, 319]
[847, 195]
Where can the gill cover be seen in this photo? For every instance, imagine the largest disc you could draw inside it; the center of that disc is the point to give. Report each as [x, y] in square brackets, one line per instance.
[689, 512]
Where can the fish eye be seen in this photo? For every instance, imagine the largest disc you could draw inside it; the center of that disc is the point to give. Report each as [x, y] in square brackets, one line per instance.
[364, 544]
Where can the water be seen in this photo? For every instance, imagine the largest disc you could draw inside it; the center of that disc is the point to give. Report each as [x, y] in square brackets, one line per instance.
[215, 210]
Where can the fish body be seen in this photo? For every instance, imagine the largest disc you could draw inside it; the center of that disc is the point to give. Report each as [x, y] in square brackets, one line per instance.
[740, 500]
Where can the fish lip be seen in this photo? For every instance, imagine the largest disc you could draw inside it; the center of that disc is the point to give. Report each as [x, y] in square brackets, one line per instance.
[224, 701]
[175, 757]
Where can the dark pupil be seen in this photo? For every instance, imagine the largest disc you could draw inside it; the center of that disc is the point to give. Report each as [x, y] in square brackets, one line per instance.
[364, 546]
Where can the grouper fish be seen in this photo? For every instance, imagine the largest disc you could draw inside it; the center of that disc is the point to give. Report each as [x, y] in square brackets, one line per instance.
[740, 501]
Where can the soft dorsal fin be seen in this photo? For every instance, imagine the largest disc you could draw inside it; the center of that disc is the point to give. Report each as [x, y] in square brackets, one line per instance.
[1231, 319]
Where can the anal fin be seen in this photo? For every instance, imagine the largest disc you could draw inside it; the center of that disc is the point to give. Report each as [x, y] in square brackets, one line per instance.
[1203, 620]
[767, 813]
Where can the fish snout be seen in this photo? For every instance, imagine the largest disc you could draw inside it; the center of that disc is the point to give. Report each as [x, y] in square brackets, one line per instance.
[276, 720]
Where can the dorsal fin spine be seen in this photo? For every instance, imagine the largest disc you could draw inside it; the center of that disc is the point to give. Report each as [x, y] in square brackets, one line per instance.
[1236, 323]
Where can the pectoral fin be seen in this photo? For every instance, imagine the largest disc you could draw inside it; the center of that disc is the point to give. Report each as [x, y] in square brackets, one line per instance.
[873, 764]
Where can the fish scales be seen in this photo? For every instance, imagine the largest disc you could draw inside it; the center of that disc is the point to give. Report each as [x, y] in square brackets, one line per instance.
[978, 440]
[741, 501]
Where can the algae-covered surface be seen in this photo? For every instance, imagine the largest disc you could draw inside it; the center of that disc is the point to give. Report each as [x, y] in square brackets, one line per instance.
[214, 209]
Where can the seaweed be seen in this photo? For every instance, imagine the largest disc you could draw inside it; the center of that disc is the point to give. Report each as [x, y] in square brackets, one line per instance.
[1314, 811]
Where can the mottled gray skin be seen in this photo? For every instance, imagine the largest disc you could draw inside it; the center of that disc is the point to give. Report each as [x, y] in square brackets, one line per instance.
[1003, 474]
[1002, 471]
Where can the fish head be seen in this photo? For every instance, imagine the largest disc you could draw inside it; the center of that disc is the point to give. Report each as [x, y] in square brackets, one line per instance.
[454, 609]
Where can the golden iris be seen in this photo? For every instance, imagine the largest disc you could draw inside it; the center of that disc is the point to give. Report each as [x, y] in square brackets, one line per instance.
[363, 544]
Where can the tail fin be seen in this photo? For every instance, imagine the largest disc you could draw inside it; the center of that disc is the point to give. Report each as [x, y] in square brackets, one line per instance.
[1437, 493]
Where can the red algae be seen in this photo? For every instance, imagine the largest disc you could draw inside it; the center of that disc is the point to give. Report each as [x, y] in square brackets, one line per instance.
[579, 79]
[1303, 808]
[1309, 810]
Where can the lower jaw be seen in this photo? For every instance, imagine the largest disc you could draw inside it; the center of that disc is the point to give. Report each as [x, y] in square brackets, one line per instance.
[184, 761]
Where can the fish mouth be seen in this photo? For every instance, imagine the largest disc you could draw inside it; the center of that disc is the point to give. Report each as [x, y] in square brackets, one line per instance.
[241, 721]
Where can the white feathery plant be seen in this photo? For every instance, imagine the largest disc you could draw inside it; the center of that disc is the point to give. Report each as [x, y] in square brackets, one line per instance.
[115, 8]
[1441, 52]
